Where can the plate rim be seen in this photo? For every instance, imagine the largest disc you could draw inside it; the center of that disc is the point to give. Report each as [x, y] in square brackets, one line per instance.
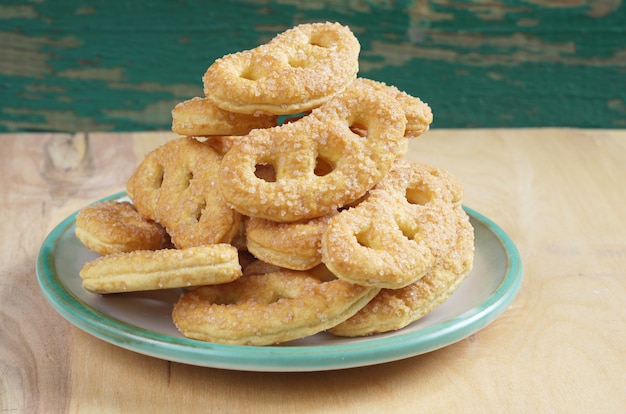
[275, 358]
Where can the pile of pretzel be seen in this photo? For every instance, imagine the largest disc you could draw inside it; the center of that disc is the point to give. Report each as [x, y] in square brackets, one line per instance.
[286, 208]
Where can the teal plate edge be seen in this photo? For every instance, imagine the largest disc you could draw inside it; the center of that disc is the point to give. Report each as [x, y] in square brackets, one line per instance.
[375, 350]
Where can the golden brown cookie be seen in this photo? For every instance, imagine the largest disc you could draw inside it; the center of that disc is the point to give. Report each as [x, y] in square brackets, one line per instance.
[388, 239]
[418, 114]
[297, 71]
[200, 117]
[112, 226]
[267, 309]
[319, 164]
[294, 245]
[393, 309]
[176, 185]
[161, 269]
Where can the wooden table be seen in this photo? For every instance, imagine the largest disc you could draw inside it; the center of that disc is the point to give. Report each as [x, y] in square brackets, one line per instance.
[560, 347]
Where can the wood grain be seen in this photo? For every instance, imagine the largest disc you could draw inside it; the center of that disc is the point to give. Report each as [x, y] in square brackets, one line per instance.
[120, 66]
[559, 347]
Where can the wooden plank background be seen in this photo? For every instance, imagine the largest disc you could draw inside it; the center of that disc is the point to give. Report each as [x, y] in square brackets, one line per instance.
[122, 65]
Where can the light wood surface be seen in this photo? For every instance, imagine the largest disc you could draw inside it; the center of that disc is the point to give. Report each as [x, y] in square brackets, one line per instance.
[559, 348]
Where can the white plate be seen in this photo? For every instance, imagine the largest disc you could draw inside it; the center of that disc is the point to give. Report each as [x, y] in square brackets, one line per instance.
[141, 322]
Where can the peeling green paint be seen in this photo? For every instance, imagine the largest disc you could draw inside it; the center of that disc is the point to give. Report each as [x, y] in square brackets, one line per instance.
[20, 11]
[107, 74]
[121, 66]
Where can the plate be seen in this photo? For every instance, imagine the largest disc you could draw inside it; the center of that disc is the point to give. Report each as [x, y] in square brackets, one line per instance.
[141, 322]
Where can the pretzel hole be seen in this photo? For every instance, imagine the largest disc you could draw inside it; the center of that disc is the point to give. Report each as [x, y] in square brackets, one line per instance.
[158, 177]
[273, 293]
[278, 295]
[299, 63]
[250, 73]
[363, 239]
[359, 129]
[265, 172]
[323, 166]
[200, 210]
[321, 40]
[188, 178]
[225, 298]
[418, 196]
[408, 232]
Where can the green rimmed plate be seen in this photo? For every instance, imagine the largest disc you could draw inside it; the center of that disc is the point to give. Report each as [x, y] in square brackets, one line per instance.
[141, 322]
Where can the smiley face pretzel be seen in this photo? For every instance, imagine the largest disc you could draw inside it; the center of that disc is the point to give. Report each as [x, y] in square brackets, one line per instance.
[389, 239]
[296, 71]
[176, 186]
[320, 162]
[393, 309]
[418, 114]
[270, 308]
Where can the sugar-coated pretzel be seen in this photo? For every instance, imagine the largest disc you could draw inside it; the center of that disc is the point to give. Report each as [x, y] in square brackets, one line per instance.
[112, 226]
[161, 269]
[419, 116]
[388, 239]
[296, 71]
[294, 245]
[176, 186]
[393, 309]
[268, 308]
[200, 117]
[320, 163]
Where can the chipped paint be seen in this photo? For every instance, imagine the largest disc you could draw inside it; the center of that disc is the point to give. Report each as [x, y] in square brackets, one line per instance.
[150, 114]
[359, 6]
[181, 90]
[506, 51]
[107, 74]
[481, 63]
[595, 8]
[21, 11]
[26, 56]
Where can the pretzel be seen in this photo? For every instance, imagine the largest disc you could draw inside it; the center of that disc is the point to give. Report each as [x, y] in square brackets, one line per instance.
[393, 309]
[161, 269]
[388, 239]
[267, 309]
[112, 226]
[418, 114]
[176, 186]
[200, 117]
[319, 164]
[293, 245]
[298, 70]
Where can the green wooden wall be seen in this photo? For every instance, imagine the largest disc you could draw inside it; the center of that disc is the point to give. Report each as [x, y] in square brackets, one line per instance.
[122, 65]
